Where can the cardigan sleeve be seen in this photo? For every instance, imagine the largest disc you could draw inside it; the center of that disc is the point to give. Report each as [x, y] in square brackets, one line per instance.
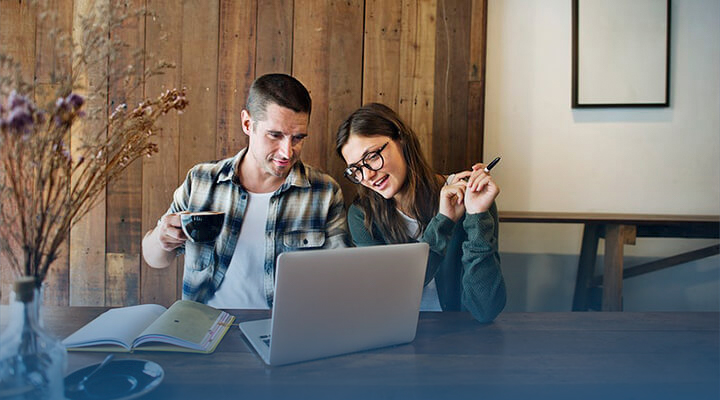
[483, 286]
[437, 235]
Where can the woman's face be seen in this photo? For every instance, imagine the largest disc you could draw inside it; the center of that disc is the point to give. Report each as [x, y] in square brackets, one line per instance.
[390, 178]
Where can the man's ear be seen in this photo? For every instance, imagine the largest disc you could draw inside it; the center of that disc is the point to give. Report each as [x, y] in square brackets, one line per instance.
[246, 122]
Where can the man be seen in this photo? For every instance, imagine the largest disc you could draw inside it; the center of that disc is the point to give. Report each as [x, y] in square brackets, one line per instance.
[272, 203]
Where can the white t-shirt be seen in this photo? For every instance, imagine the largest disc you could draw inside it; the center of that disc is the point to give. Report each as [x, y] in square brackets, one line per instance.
[244, 283]
[430, 300]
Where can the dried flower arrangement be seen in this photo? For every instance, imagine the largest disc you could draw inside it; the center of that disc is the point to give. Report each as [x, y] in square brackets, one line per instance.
[56, 159]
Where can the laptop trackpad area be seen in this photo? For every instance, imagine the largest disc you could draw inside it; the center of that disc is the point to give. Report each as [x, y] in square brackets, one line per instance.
[258, 334]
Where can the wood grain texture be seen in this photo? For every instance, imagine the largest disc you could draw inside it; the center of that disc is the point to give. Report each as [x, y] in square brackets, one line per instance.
[381, 60]
[312, 68]
[199, 75]
[124, 194]
[17, 34]
[451, 88]
[236, 71]
[163, 40]
[52, 59]
[476, 84]
[275, 36]
[87, 237]
[17, 40]
[478, 40]
[123, 279]
[345, 79]
[417, 69]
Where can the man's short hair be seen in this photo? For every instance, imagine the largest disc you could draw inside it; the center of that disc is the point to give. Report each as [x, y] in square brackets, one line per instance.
[280, 89]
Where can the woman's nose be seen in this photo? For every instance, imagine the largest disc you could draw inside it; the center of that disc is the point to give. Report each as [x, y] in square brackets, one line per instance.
[368, 173]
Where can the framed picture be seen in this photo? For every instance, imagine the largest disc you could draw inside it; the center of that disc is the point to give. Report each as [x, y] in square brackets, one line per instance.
[620, 53]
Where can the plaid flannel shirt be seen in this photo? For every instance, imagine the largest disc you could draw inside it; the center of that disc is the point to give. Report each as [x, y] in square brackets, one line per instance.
[306, 212]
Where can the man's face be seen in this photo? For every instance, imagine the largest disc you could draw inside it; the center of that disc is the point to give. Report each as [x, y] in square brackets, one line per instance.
[276, 141]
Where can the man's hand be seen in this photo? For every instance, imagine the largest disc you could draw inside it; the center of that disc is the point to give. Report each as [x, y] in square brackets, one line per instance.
[170, 233]
[159, 244]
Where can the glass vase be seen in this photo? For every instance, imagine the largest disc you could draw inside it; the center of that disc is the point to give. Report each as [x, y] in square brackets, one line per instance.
[32, 361]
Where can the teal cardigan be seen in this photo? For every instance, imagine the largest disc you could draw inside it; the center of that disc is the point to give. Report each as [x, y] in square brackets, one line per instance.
[463, 259]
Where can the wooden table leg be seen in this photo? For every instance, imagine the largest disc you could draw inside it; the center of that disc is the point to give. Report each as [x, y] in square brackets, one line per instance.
[586, 267]
[616, 237]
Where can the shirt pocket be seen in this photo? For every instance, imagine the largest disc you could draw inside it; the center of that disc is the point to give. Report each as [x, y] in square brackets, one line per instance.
[199, 256]
[302, 240]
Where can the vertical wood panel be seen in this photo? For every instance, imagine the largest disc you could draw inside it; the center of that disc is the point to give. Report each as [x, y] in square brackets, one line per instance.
[124, 195]
[17, 34]
[160, 172]
[17, 39]
[199, 75]
[274, 36]
[345, 85]
[236, 70]
[311, 67]
[451, 89]
[381, 63]
[123, 279]
[417, 69]
[87, 238]
[52, 59]
[476, 84]
[475, 115]
[478, 40]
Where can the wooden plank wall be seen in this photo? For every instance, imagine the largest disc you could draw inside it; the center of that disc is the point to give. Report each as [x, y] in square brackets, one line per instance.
[424, 58]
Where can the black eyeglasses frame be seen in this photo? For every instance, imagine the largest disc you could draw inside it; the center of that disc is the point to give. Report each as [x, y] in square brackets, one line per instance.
[349, 172]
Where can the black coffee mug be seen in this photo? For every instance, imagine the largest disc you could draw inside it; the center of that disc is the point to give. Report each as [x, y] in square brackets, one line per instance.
[202, 226]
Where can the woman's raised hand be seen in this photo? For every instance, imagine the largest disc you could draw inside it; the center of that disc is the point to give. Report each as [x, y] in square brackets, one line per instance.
[452, 196]
[481, 190]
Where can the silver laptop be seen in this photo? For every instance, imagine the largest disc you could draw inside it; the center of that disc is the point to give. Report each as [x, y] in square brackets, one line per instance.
[332, 302]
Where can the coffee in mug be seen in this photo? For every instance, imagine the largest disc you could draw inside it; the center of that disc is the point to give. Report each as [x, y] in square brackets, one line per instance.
[202, 226]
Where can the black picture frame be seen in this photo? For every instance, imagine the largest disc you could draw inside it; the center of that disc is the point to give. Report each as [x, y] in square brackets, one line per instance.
[620, 53]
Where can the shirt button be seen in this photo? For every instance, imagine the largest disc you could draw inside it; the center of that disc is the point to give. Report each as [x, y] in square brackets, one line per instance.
[243, 197]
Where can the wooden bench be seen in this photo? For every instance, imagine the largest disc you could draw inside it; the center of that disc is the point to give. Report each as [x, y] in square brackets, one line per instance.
[619, 230]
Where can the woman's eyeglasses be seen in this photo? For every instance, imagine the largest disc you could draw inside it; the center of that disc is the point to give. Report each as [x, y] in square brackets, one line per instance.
[372, 161]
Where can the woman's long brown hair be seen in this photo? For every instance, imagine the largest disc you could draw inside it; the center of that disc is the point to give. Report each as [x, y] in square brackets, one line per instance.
[421, 187]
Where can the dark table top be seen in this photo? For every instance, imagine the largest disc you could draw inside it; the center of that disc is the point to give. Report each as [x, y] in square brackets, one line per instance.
[596, 355]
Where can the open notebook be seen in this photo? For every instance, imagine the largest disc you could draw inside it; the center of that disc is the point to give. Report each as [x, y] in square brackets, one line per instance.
[186, 326]
[331, 302]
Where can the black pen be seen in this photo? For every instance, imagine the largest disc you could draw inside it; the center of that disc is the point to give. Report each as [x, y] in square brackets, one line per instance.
[492, 164]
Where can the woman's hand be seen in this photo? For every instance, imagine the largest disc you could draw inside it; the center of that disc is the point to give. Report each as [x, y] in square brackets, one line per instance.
[481, 190]
[452, 195]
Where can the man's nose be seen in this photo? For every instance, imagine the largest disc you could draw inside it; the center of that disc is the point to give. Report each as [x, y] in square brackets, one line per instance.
[286, 147]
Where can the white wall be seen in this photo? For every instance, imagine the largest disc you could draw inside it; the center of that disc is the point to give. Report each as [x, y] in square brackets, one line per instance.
[555, 158]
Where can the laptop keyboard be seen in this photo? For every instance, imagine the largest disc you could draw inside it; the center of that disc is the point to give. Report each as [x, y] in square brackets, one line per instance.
[265, 339]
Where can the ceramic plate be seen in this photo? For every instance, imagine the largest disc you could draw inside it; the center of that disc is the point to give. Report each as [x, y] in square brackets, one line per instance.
[121, 379]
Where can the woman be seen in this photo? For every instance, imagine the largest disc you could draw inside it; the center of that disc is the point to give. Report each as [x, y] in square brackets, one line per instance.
[400, 199]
